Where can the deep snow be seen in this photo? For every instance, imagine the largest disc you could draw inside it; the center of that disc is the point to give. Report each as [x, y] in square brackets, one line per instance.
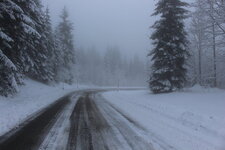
[193, 119]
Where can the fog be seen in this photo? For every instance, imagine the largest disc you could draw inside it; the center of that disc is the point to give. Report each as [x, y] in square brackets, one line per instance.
[119, 26]
[101, 23]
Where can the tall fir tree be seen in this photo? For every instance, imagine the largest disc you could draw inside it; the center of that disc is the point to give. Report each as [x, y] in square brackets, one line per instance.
[38, 51]
[14, 25]
[23, 29]
[65, 49]
[23, 33]
[25, 44]
[8, 84]
[50, 45]
[170, 47]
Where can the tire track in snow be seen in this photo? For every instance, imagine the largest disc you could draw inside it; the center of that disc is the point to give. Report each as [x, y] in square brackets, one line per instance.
[96, 127]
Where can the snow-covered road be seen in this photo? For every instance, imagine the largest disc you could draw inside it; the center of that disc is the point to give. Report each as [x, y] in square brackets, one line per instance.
[96, 125]
[131, 120]
[82, 120]
[189, 120]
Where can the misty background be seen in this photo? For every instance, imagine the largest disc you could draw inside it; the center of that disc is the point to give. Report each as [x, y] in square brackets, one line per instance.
[101, 26]
[107, 43]
[102, 23]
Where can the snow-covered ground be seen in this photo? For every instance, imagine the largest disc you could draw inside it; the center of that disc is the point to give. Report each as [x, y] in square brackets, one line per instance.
[32, 97]
[190, 120]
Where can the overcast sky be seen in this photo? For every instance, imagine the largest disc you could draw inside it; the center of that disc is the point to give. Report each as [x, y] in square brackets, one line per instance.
[102, 23]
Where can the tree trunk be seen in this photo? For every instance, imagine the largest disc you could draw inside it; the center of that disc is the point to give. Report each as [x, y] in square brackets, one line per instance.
[214, 46]
[200, 59]
[214, 57]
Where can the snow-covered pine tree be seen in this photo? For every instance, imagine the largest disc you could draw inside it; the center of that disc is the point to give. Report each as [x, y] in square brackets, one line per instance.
[170, 47]
[24, 42]
[65, 49]
[37, 48]
[18, 25]
[13, 23]
[50, 45]
[8, 84]
[58, 53]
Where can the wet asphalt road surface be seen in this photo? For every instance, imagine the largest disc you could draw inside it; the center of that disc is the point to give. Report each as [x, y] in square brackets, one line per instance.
[31, 133]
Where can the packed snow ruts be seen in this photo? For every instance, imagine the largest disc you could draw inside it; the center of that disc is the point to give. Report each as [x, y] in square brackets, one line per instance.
[57, 137]
[95, 125]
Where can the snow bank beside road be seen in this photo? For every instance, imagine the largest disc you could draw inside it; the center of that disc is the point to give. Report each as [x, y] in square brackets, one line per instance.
[33, 97]
[190, 120]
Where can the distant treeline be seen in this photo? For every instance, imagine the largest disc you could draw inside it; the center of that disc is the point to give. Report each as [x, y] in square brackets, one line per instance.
[110, 68]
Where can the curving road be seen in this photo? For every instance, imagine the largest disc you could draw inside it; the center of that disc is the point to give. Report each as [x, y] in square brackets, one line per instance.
[81, 121]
